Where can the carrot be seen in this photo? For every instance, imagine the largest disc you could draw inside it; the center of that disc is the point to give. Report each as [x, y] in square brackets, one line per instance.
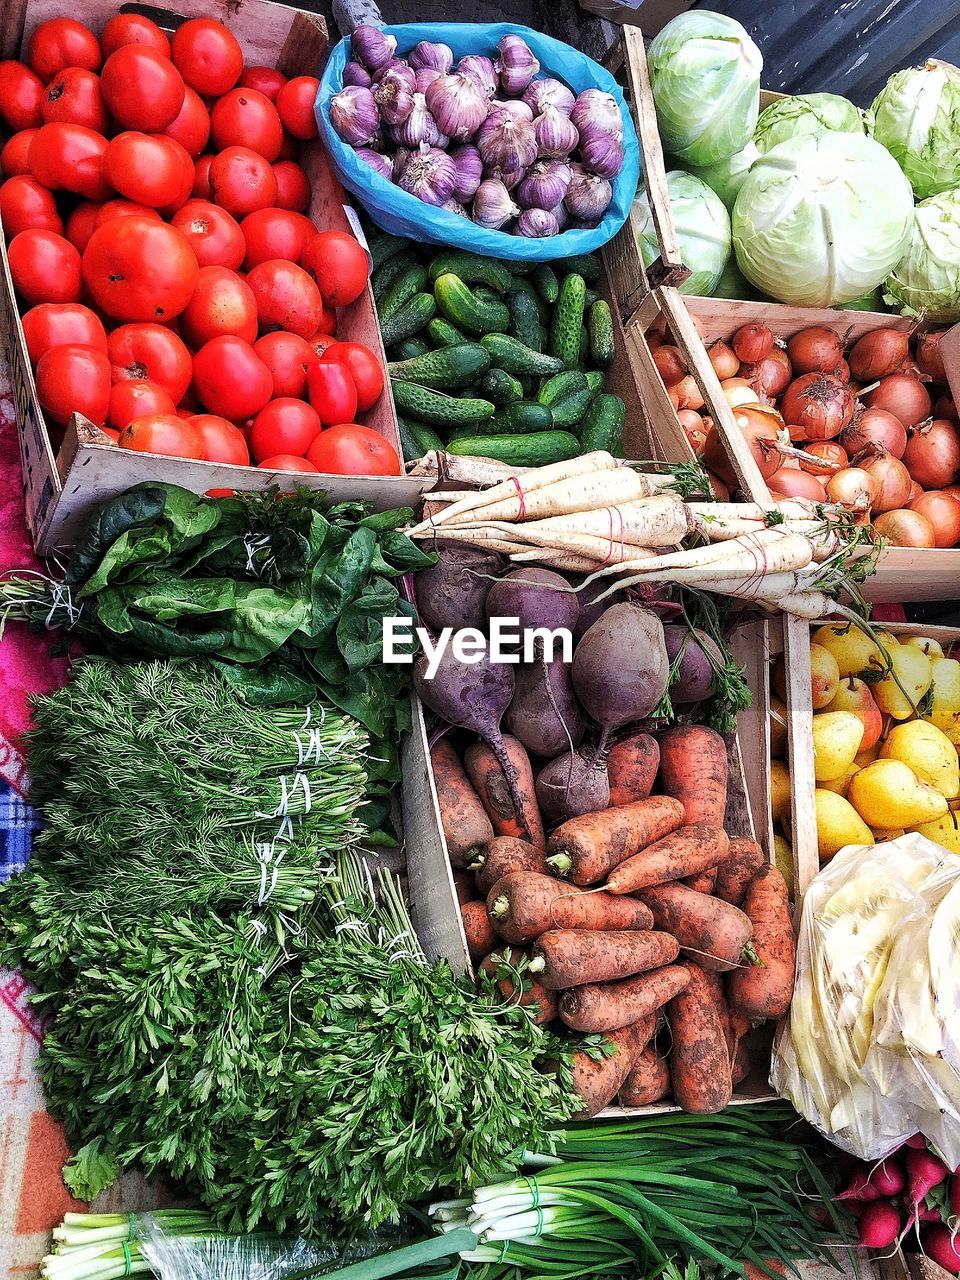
[505, 961]
[693, 769]
[597, 1082]
[648, 1081]
[464, 885]
[572, 957]
[691, 849]
[737, 1027]
[764, 991]
[703, 881]
[491, 786]
[632, 765]
[524, 904]
[699, 1064]
[466, 826]
[480, 934]
[714, 932]
[586, 849]
[505, 854]
[606, 1006]
[738, 869]
[741, 1062]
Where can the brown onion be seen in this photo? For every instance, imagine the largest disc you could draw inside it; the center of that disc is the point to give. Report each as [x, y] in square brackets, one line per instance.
[660, 326]
[752, 342]
[788, 483]
[946, 408]
[759, 427]
[693, 428]
[874, 427]
[719, 488]
[834, 457]
[841, 370]
[671, 365]
[770, 375]
[723, 359]
[820, 404]
[892, 480]
[917, 489]
[932, 455]
[688, 394]
[654, 341]
[879, 353]
[815, 350]
[952, 489]
[905, 529]
[852, 488]
[943, 512]
[738, 391]
[929, 356]
[903, 396]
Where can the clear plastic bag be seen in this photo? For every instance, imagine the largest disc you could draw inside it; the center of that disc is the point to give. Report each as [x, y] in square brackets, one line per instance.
[870, 1051]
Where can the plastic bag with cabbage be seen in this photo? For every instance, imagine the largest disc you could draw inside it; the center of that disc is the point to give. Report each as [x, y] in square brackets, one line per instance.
[870, 1050]
[705, 76]
[822, 219]
[804, 113]
[703, 231]
[927, 277]
[916, 116]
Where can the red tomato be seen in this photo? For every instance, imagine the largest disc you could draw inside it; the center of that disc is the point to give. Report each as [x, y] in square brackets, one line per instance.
[274, 233]
[21, 93]
[201, 177]
[142, 88]
[149, 169]
[293, 188]
[74, 96]
[286, 462]
[365, 369]
[339, 265]
[242, 181]
[74, 379]
[351, 450]
[56, 324]
[44, 267]
[14, 157]
[287, 356]
[230, 379]
[289, 149]
[122, 209]
[207, 55]
[163, 433]
[130, 28]
[285, 425]
[332, 391]
[214, 236]
[24, 203]
[82, 223]
[328, 324]
[113, 435]
[59, 43]
[246, 118]
[68, 157]
[295, 104]
[132, 398]
[151, 351]
[266, 80]
[222, 303]
[191, 128]
[320, 341]
[286, 297]
[221, 440]
[140, 269]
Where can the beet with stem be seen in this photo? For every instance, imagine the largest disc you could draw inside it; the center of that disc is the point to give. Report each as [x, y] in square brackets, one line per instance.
[573, 784]
[452, 593]
[621, 668]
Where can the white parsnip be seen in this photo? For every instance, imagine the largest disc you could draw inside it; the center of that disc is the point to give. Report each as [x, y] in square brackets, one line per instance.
[657, 521]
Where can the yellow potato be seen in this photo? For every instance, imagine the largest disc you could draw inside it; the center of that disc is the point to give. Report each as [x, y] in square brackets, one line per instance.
[929, 753]
[888, 795]
[838, 824]
[836, 740]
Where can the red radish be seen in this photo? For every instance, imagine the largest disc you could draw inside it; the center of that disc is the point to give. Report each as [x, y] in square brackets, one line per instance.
[859, 1188]
[917, 1141]
[924, 1172]
[888, 1178]
[955, 1194]
[942, 1247]
[929, 1215]
[879, 1225]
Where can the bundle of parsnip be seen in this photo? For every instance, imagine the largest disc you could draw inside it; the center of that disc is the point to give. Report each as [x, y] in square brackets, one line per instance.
[597, 516]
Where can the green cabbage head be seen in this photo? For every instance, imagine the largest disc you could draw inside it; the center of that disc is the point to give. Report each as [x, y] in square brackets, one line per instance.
[917, 118]
[927, 278]
[806, 113]
[822, 219]
[703, 231]
[727, 176]
[705, 75]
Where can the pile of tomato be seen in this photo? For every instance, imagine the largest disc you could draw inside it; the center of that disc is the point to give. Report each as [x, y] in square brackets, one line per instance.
[173, 289]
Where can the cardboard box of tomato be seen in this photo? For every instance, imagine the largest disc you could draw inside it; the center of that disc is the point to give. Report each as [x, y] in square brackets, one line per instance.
[185, 288]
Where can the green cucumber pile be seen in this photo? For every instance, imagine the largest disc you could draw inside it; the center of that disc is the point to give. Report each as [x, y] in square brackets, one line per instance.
[499, 360]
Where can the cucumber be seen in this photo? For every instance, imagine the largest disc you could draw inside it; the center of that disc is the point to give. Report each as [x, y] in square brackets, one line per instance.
[401, 290]
[524, 286]
[411, 347]
[519, 419]
[600, 329]
[384, 246]
[507, 353]
[596, 380]
[562, 385]
[546, 283]
[524, 321]
[393, 268]
[529, 384]
[449, 367]
[535, 450]
[473, 269]
[500, 387]
[543, 337]
[433, 406]
[410, 319]
[583, 348]
[466, 310]
[445, 334]
[416, 439]
[584, 264]
[591, 297]
[568, 412]
[568, 321]
[602, 427]
[521, 268]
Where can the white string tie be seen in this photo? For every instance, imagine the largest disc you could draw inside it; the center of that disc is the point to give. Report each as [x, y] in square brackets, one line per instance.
[62, 598]
[252, 545]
